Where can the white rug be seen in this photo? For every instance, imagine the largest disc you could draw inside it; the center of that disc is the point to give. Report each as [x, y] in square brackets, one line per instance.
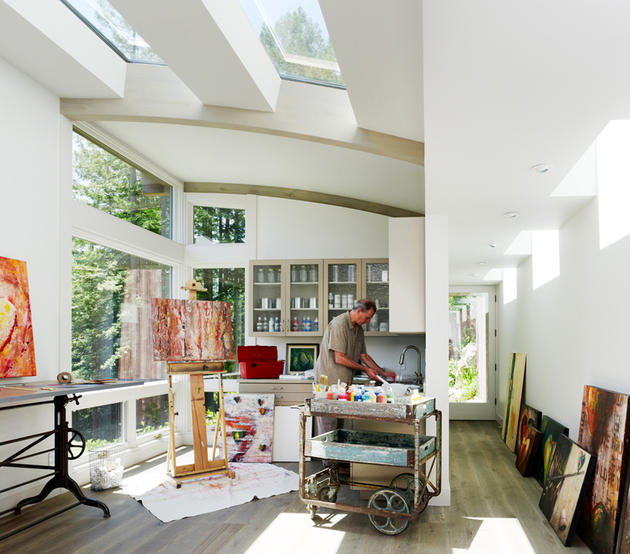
[168, 503]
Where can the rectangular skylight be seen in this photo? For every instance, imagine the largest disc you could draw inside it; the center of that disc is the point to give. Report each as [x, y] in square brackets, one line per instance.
[107, 22]
[296, 39]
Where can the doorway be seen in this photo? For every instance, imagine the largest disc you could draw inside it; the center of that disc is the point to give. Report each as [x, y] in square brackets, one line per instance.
[472, 367]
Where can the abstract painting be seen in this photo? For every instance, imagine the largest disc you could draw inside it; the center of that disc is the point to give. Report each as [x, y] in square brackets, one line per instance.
[249, 423]
[191, 330]
[623, 536]
[603, 432]
[529, 417]
[17, 352]
[527, 451]
[551, 431]
[301, 357]
[513, 397]
[569, 472]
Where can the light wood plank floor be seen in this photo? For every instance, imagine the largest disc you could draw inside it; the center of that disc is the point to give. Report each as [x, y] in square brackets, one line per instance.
[493, 509]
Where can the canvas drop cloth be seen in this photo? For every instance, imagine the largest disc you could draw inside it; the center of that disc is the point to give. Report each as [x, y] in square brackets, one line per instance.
[168, 503]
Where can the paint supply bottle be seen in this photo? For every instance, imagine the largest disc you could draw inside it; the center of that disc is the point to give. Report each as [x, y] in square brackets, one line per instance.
[295, 326]
[316, 324]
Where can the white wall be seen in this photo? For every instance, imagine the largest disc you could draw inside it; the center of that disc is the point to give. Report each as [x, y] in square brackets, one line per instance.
[30, 230]
[574, 328]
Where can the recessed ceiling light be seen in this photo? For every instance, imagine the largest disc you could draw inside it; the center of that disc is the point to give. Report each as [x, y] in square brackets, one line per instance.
[511, 215]
[472, 275]
[482, 263]
[541, 168]
[492, 244]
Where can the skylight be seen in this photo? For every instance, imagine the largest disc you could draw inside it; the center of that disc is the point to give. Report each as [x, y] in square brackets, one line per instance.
[296, 39]
[106, 22]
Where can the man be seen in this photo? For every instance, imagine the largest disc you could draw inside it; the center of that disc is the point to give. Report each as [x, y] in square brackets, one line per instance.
[342, 352]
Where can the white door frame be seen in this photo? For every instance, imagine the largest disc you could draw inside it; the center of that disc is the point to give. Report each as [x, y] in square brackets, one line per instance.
[481, 410]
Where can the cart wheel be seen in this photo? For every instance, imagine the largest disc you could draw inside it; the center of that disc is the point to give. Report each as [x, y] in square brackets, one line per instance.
[391, 500]
[76, 444]
[405, 483]
[313, 510]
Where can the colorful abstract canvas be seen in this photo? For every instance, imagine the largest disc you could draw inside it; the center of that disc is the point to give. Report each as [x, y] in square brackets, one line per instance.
[551, 431]
[191, 330]
[529, 417]
[513, 398]
[569, 473]
[528, 450]
[604, 430]
[623, 536]
[249, 423]
[17, 352]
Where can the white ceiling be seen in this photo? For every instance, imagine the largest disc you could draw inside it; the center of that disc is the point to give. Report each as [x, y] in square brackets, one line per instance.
[491, 87]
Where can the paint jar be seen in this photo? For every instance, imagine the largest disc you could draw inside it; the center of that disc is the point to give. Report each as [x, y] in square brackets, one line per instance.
[337, 300]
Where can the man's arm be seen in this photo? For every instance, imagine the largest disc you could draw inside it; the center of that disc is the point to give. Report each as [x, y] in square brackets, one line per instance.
[373, 369]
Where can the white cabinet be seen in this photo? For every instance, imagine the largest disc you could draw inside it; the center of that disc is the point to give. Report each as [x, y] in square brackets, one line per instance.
[407, 275]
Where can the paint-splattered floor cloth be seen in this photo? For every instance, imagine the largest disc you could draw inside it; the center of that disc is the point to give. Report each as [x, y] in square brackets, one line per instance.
[168, 503]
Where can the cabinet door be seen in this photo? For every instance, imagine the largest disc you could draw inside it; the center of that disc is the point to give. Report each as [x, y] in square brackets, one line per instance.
[376, 288]
[266, 298]
[342, 286]
[304, 298]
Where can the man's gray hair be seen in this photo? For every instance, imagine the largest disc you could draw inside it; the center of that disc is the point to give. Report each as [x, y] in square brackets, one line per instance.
[365, 305]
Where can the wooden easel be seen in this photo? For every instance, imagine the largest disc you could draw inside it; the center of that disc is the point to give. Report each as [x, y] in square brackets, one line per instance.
[202, 465]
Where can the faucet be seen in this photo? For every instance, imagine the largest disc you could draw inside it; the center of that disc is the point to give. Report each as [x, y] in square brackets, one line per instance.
[401, 361]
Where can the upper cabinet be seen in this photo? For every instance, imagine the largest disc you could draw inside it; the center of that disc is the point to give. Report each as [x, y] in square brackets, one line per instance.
[375, 286]
[407, 275]
[343, 286]
[285, 297]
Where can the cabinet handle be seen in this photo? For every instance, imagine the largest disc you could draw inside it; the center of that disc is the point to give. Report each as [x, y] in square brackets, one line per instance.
[277, 388]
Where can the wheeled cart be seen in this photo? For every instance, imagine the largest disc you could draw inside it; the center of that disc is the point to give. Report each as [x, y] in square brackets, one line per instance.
[391, 508]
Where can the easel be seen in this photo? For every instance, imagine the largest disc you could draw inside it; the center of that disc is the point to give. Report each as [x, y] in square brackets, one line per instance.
[202, 466]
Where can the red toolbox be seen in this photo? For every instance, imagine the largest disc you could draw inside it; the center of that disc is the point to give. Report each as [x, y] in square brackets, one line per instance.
[259, 362]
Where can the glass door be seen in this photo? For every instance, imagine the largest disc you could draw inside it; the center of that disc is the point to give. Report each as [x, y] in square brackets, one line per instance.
[305, 288]
[376, 288]
[472, 368]
[266, 298]
[342, 286]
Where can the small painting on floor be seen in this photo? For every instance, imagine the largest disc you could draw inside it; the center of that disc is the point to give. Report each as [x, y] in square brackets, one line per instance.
[604, 431]
[551, 431]
[529, 418]
[528, 450]
[569, 473]
[17, 351]
[249, 423]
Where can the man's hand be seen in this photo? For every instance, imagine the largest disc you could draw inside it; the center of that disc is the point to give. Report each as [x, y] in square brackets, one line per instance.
[389, 375]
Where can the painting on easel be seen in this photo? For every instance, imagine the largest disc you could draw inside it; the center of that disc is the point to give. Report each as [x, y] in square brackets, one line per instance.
[249, 421]
[17, 353]
[191, 330]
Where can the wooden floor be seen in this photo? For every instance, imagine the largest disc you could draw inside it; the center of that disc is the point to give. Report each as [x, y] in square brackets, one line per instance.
[493, 509]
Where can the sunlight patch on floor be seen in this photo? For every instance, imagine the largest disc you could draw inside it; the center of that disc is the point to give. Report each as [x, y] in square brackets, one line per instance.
[298, 533]
[503, 535]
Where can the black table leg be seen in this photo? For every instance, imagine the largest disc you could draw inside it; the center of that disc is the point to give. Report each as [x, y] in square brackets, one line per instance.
[61, 479]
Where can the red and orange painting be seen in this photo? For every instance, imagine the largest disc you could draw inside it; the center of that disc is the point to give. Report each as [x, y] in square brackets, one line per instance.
[191, 330]
[604, 431]
[527, 451]
[17, 352]
[249, 423]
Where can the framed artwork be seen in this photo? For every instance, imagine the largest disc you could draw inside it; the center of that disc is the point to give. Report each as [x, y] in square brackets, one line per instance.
[527, 451]
[191, 330]
[551, 431]
[301, 357]
[623, 535]
[249, 427]
[17, 351]
[569, 473]
[529, 418]
[513, 398]
[604, 430]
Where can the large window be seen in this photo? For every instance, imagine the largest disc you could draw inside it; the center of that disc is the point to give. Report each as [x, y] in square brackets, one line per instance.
[108, 183]
[226, 284]
[111, 312]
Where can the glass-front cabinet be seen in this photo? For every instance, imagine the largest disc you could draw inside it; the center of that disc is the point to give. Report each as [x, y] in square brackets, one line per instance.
[376, 288]
[285, 298]
[343, 286]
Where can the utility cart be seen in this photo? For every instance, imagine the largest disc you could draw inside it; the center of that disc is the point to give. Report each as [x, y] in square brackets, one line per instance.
[391, 508]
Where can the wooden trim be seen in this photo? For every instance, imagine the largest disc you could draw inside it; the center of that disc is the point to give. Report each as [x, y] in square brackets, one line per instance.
[299, 194]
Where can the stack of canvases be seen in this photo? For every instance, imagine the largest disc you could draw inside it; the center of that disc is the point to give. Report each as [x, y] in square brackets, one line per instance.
[586, 484]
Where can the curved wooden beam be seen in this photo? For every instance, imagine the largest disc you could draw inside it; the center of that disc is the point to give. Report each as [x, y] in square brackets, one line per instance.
[299, 194]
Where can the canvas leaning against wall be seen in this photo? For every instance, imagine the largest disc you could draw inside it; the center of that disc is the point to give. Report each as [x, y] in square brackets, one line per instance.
[513, 398]
[249, 426]
[17, 352]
